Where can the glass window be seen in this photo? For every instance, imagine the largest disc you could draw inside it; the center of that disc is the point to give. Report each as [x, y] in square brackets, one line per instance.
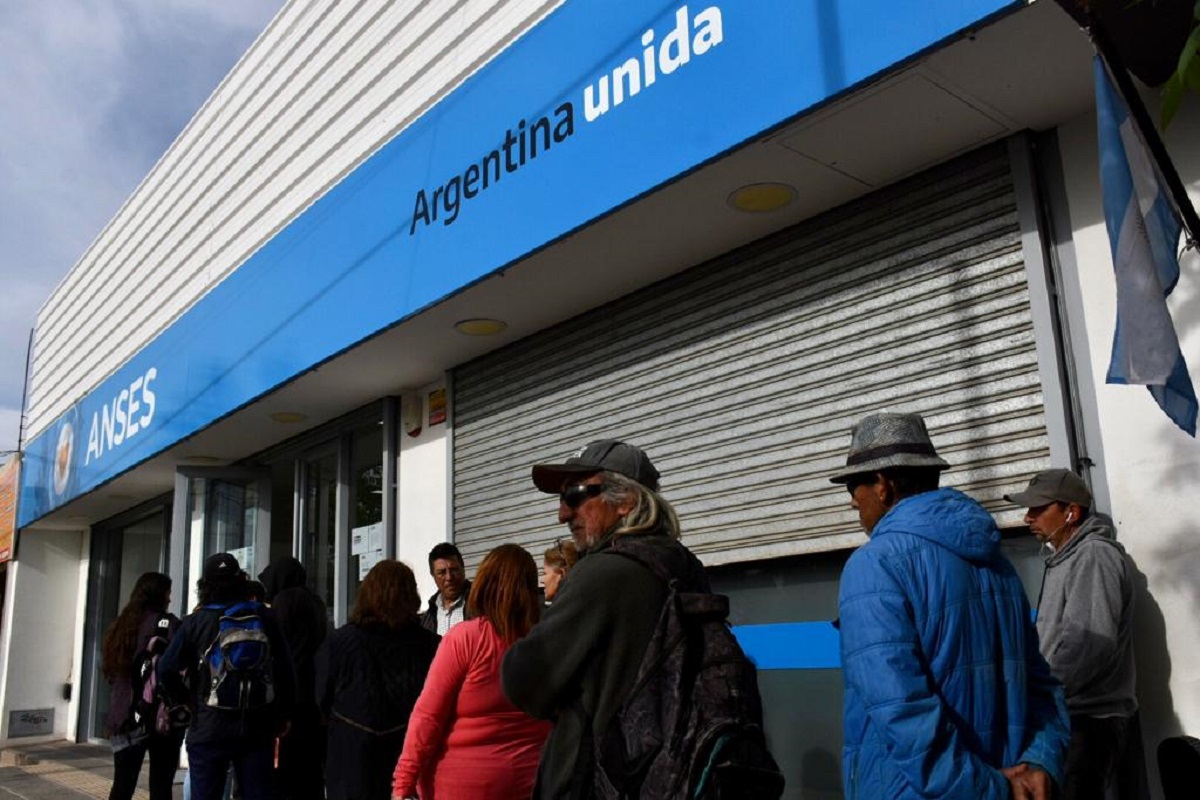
[283, 476]
[320, 524]
[366, 502]
[231, 522]
[120, 554]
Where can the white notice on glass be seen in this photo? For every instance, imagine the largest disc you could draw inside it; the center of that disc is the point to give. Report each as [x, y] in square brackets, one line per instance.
[365, 562]
[375, 537]
[358, 540]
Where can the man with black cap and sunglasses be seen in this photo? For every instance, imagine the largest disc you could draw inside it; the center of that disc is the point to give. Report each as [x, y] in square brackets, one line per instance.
[578, 664]
[1085, 626]
[946, 694]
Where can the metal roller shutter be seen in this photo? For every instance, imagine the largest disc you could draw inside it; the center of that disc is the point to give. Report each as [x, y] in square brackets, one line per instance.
[741, 377]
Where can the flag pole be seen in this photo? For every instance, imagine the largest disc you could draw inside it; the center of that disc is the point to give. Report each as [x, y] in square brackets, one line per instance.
[1148, 133]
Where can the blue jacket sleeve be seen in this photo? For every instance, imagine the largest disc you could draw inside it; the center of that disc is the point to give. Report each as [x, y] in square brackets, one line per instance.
[883, 664]
[1048, 725]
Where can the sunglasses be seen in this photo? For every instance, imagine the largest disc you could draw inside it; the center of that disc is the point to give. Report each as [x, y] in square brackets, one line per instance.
[866, 479]
[575, 496]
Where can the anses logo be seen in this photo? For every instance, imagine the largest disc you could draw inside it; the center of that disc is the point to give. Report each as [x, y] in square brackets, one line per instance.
[62, 457]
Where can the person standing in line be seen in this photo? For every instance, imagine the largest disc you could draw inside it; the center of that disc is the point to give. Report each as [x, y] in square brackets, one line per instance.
[946, 694]
[556, 563]
[1085, 627]
[449, 606]
[582, 660]
[220, 736]
[465, 740]
[369, 674]
[123, 650]
[304, 621]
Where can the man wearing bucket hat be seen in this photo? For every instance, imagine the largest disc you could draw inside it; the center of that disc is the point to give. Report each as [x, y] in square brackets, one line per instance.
[946, 694]
[1084, 622]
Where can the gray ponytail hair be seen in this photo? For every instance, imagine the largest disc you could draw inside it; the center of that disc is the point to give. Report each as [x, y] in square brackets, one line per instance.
[651, 511]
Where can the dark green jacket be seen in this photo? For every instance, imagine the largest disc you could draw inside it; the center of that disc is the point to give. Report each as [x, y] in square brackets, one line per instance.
[579, 663]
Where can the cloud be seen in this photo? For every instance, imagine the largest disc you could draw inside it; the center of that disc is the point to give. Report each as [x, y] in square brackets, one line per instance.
[93, 93]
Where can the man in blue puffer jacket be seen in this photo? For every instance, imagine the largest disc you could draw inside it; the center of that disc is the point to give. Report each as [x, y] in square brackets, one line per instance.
[946, 694]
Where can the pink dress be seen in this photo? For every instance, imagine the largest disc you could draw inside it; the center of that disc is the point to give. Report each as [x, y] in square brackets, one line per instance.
[465, 741]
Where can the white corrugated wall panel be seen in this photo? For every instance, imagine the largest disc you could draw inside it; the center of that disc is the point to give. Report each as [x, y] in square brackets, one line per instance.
[743, 376]
[324, 87]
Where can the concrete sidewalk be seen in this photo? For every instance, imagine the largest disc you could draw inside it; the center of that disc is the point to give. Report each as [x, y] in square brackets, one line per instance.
[62, 771]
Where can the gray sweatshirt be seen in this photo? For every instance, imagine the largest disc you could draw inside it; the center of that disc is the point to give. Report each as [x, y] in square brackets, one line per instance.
[1085, 618]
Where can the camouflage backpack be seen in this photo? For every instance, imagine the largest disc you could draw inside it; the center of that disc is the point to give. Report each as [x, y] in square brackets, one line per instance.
[691, 727]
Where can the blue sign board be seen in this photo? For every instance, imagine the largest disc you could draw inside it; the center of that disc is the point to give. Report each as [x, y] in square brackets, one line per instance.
[601, 102]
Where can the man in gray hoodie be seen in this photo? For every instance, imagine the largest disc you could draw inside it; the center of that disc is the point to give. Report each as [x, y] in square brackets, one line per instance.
[1084, 623]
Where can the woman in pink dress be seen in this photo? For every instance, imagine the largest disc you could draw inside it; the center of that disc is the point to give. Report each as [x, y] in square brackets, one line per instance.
[465, 741]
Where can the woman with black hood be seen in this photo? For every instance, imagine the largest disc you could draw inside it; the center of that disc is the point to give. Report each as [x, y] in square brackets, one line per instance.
[300, 772]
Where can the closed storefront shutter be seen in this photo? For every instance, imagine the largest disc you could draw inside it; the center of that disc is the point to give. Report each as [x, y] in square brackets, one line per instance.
[741, 377]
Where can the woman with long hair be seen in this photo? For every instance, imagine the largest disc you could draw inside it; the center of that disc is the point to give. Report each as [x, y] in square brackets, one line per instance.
[123, 650]
[465, 740]
[369, 673]
[556, 563]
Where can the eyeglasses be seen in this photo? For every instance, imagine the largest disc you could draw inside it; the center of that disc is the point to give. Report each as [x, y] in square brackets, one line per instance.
[575, 496]
[446, 572]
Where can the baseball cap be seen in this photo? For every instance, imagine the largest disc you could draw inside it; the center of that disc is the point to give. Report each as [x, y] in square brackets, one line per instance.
[607, 455]
[219, 565]
[1053, 486]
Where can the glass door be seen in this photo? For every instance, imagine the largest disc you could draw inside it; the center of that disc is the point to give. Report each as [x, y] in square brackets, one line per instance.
[218, 510]
[343, 529]
[121, 550]
[368, 538]
[319, 521]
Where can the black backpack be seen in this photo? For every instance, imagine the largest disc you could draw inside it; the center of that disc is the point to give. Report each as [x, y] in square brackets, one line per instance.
[691, 728]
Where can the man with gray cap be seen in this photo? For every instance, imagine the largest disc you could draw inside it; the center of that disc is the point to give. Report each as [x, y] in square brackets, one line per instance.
[1084, 622]
[946, 694]
[580, 661]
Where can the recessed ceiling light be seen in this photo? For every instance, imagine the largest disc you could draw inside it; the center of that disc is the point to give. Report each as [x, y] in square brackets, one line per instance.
[758, 198]
[288, 417]
[480, 327]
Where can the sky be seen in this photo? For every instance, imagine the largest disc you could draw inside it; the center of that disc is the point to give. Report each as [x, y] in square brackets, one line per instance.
[92, 93]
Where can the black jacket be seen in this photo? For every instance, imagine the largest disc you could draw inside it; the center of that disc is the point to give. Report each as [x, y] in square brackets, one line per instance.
[371, 675]
[429, 619]
[579, 663]
[187, 648]
[120, 707]
[302, 618]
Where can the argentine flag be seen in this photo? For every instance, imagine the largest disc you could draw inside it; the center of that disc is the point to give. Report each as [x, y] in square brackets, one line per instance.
[1143, 231]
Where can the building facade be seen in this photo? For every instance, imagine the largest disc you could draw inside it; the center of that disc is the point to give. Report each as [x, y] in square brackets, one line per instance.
[407, 250]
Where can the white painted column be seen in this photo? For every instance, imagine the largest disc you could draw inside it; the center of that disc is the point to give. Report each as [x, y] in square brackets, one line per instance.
[423, 486]
[42, 628]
